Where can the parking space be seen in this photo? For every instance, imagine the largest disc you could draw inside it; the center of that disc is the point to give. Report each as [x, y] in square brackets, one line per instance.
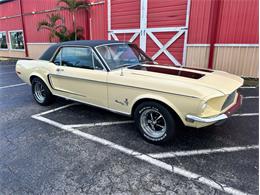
[74, 148]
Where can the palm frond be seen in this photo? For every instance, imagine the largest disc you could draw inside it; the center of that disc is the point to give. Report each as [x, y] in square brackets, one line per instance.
[43, 24]
[82, 4]
[54, 18]
[72, 5]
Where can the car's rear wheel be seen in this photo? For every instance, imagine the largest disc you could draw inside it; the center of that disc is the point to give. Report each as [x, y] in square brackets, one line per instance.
[155, 122]
[41, 93]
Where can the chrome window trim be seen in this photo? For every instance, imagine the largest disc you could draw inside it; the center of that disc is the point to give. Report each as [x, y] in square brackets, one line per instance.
[78, 46]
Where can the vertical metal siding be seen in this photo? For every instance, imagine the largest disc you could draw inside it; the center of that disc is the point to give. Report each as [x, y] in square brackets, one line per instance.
[167, 13]
[199, 21]
[125, 14]
[36, 5]
[10, 24]
[238, 21]
[31, 20]
[98, 20]
[242, 61]
[9, 9]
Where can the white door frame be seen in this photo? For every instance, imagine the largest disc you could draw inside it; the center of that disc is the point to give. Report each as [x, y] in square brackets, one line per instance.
[143, 31]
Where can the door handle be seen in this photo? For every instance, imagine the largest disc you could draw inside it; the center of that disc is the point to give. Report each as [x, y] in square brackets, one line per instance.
[59, 69]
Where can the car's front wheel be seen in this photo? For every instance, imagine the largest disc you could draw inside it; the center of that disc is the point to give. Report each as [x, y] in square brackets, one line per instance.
[155, 122]
[41, 93]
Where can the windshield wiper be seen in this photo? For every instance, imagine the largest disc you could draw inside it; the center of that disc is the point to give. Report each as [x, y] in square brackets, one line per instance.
[128, 65]
[146, 61]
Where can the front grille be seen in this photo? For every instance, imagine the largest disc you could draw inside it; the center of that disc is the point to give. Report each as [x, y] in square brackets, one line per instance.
[229, 100]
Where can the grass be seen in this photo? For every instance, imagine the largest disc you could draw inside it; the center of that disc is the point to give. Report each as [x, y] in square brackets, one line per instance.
[4, 59]
[251, 81]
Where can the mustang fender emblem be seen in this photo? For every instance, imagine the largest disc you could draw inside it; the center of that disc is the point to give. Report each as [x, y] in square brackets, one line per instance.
[122, 103]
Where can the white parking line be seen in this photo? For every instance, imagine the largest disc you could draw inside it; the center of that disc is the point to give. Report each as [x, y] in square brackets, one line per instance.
[7, 66]
[7, 73]
[15, 85]
[138, 155]
[56, 109]
[99, 124]
[201, 152]
[251, 97]
[248, 87]
[245, 114]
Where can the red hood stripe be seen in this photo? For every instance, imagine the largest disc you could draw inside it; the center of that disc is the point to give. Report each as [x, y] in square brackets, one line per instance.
[170, 71]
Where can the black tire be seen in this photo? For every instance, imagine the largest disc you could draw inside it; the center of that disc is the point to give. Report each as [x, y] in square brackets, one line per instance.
[165, 135]
[47, 97]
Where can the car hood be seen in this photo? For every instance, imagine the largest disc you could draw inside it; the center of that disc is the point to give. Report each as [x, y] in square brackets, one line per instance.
[223, 82]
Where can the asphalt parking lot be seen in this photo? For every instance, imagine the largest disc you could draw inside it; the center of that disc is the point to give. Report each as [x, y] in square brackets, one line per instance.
[71, 148]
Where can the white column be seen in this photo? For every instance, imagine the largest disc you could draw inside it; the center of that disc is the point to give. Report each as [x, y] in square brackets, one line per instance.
[143, 24]
[186, 34]
[109, 18]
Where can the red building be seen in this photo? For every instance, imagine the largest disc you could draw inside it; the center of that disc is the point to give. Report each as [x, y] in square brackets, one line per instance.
[219, 34]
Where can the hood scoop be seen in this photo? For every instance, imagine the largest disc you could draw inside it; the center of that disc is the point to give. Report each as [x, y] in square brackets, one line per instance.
[170, 71]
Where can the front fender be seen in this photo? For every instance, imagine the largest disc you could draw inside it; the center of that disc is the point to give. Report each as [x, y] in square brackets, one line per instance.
[162, 99]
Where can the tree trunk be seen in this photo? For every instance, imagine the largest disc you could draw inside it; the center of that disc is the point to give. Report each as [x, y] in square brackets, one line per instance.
[74, 25]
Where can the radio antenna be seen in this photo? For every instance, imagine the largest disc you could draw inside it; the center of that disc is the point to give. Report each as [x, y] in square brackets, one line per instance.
[122, 73]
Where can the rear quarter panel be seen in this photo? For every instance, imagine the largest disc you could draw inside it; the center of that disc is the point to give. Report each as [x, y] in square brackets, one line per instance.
[39, 68]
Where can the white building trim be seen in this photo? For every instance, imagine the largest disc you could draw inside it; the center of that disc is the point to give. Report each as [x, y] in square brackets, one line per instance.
[224, 45]
[43, 43]
[109, 18]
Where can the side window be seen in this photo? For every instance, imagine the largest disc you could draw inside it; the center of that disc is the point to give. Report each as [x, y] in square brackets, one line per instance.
[96, 63]
[78, 57]
[57, 59]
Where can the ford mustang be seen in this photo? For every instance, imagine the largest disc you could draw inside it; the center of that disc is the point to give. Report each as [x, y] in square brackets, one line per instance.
[120, 77]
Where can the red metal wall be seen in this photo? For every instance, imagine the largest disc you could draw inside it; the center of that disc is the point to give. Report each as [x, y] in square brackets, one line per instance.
[31, 20]
[167, 13]
[125, 14]
[238, 19]
[9, 9]
[98, 20]
[237, 22]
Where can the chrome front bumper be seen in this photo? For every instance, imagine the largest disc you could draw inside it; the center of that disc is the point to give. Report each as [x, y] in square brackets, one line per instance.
[192, 118]
[214, 119]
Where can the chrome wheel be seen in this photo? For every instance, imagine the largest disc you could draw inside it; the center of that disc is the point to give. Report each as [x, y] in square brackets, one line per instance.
[39, 92]
[153, 123]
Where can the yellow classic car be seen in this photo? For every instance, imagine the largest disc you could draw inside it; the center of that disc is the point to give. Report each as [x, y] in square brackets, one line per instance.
[120, 77]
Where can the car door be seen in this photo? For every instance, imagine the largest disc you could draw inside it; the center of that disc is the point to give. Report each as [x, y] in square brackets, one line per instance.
[79, 75]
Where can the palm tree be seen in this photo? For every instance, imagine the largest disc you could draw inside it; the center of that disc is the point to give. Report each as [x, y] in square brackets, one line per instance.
[51, 25]
[65, 35]
[73, 6]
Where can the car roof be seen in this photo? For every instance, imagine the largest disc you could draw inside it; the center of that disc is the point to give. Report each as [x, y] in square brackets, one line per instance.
[91, 43]
[47, 55]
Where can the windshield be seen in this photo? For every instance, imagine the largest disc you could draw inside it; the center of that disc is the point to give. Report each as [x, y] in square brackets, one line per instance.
[121, 55]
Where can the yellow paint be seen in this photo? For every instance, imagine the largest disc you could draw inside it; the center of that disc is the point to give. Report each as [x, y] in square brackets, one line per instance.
[119, 92]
